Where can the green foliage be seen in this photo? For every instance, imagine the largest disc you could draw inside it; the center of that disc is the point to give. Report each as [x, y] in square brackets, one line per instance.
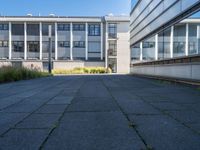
[85, 70]
[10, 74]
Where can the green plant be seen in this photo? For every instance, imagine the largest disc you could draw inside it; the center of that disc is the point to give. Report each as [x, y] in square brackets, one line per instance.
[10, 74]
[84, 70]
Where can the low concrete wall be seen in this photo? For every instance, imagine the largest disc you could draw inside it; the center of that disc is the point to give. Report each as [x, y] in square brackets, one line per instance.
[5, 63]
[43, 65]
[181, 71]
[74, 64]
[33, 65]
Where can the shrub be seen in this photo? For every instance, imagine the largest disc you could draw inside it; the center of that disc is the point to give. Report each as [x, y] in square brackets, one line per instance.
[9, 74]
[85, 70]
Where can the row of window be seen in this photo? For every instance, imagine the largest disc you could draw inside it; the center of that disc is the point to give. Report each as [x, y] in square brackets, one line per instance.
[33, 29]
[93, 29]
[33, 46]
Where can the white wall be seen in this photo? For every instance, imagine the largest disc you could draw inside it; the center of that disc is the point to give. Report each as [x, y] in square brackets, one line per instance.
[183, 71]
[123, 48]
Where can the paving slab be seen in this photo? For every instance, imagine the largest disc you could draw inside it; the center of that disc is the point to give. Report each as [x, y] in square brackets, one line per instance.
[61, 100]
[93, 104]
[52, 109]
[23, 139]
[8, 120]
[163, 133]
[137, 107]
[39, 121]
[187, 116]
[168, 106]
[100, 112]
[94, 130]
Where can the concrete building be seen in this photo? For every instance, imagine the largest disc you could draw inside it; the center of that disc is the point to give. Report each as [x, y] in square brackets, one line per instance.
[77, 42]
[161, 44]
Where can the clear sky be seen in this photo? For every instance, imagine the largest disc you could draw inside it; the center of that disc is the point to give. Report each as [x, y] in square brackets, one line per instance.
[64, 7]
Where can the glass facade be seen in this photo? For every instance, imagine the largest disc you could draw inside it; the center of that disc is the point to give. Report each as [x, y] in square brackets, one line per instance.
[150, 15]
[193, 41]
[182, 39]
[179, 40]
[164, 44]
[148, 49]
[135, 52]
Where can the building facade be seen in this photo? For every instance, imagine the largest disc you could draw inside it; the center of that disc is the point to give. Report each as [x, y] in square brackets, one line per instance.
[163, 43]
[77, 42]
[178, 41]
[149, 17]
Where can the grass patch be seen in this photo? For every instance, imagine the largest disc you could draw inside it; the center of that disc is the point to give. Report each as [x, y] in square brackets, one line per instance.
[88, 70]
[10, 74]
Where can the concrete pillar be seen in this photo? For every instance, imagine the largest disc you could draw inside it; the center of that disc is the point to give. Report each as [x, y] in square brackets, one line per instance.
[198, 39]
[25, 41]
[156, 47]
[101, 41]
[71, 41]
[141, 49]
[106, 47]
[187, 40]
[10, 41]
[56, 41]
[40, 40]
[86, 41]
[171, 42]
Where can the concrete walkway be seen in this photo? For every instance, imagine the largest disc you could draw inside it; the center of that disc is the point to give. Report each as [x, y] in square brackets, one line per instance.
[115, 112]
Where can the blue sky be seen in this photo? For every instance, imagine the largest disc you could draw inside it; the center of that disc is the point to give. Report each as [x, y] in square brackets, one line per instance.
[64, 7]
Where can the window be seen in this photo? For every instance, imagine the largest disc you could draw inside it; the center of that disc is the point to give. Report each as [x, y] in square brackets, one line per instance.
[33, 29]
[112, 48]
[18, 46]
[193, 49]
[179, 40]
[135, 52]
[148, 51]
[45, 29]
[3, 26]
[17, 29]
[148, 44]
[164, 44]
[79, 44]
[64, 44]
[112, 30]
[3, 43]
[94, 30]
[33, 46]
[78, 27]
[63, 27]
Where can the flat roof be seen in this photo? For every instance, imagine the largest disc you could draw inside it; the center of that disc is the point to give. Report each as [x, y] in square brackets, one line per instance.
[64, 18]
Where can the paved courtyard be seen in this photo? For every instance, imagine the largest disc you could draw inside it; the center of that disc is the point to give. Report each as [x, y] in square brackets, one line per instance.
[115, 112]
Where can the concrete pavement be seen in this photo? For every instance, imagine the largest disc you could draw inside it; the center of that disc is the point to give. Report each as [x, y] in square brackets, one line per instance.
[108, 112]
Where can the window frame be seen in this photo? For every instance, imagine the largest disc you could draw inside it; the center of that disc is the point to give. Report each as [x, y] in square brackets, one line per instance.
[4, 26]
[79, 27]
[79, 44]
[63, 27]
[19, 43]
[94, 30]
[112, 26]
[34, 43]
[64, 44]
